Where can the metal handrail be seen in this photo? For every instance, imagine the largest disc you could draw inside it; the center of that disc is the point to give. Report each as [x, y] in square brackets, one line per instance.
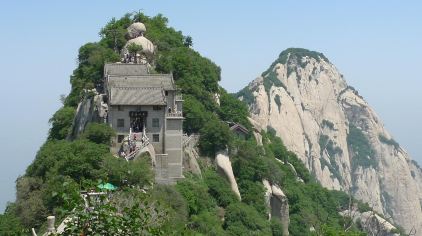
[174, 114]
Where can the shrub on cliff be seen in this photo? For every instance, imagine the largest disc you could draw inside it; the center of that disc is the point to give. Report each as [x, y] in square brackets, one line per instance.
[99, 133]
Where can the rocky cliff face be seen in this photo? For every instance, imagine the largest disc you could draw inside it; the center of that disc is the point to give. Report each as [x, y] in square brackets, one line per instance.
[339, 137]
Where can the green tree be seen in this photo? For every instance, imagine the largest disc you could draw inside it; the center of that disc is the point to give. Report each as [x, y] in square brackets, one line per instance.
[215, 136]
[113, 34]
[276, 227]
[176, 206]
[196, 194]
[91, 60]
[134, 49]
[195, 114]
[10, 224]
[137, 172]
[141, 218]
[219, 189]
[80, 159]
[242, 219]
[61, 123]
[207, 223]
[231, 109]
[188, 42]
[29, 201]
[99, 133]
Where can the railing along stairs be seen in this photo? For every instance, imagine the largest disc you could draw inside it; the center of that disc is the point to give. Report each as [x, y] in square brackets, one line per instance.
[140, 143]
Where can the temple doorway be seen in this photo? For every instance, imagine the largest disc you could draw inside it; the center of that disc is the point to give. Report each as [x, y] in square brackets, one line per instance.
[137, 121]
[137, 124]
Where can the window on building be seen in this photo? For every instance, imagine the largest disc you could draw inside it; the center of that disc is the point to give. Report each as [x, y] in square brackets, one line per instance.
[156, 108]
[155, 122]
[120, 138]
[156, 138]
[167, 93]
[120, 123]
[119, 108]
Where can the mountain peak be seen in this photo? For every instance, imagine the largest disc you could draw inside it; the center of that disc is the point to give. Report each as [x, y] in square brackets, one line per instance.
[335, 133]
[293, 56]
[300, 53]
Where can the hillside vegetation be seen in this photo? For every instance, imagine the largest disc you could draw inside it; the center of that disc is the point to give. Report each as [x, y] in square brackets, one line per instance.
[195, 205]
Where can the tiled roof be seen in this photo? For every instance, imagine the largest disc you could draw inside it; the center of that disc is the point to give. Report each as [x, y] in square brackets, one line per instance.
[136, 96]
[125, 69]
[239, 127]
[164, 81]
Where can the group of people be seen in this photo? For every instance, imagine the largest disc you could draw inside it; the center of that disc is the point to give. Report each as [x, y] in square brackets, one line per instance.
[137, 125]
[127, 58]
[125, 150]
[130, 146]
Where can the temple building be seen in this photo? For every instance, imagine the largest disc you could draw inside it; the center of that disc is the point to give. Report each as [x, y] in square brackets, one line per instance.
[144, 109]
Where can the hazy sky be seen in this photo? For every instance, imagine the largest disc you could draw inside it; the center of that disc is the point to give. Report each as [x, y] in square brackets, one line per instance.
[376, 46]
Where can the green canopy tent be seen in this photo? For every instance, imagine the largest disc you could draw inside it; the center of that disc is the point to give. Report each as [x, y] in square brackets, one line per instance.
[107, 186]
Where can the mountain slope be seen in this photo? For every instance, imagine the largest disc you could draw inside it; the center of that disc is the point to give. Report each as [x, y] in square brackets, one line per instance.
[336, 134]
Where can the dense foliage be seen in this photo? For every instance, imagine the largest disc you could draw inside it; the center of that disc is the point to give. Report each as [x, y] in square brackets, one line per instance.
[62, 168]
[215, 137]
[118, 216]
[99, 133]
[61, 122]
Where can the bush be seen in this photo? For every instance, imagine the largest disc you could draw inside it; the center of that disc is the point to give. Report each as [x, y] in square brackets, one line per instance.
[99, 133]
[138, 218]
[363, 154]
[250, 168]
[276, 227]
[195, 114]
[207, 223]
[271, 79]
[79, 160]
[219, 189]
[137, 172]
[177, 209]
[61, 123]
[246, 95]
[231, 109]
[91, 58]
[29, 202]
[196, 194]
[242, 219]
[10, 225]
[300, 168]
[215, 136]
